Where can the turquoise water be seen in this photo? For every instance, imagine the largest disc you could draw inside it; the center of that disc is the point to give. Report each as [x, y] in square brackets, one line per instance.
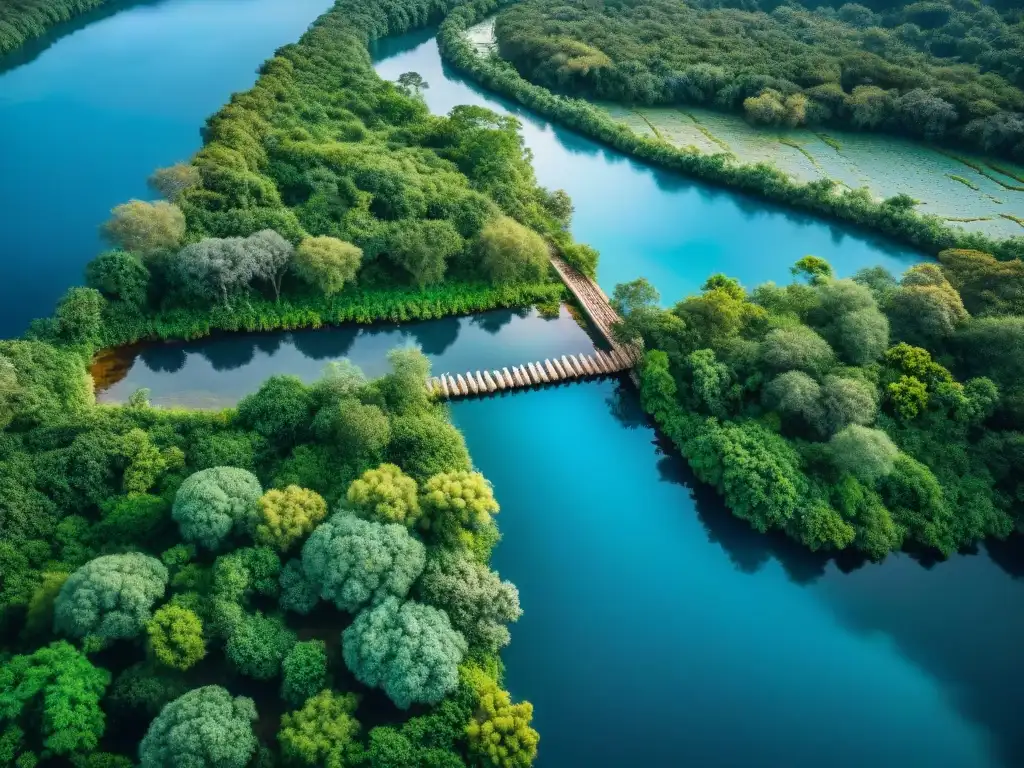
[659, 631]
[88, 112]
[645, 222]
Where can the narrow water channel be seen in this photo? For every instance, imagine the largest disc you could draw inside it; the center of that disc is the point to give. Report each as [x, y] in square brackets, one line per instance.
[658, 630]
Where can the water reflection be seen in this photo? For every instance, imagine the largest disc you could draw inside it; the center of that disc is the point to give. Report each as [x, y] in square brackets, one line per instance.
[218, 371]
[646, 221]
[957, 618]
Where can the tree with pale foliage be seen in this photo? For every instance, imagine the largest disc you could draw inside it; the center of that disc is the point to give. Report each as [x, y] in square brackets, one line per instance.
[847, 401]
[925, 310]
[478, 603]
[407, 649]
[795, 395]
[176, 637]
[11, 391]
[499, 733]
[110, 597]
[288, 515]
[385, 495]
[867, 454]
[146, 228]
[327, 263]
[453, 502]
[215, 503]
[273, 256]
[323, 733]
[215, 269]
[174, 180]
[512, 253]
[205, 728]
[353, 562]
[798, 348]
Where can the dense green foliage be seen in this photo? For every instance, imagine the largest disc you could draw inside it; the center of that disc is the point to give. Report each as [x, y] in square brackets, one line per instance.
[895, 217]
[215, 503]
[354, 562]
[110, 597]
[860, 413]
[324, 195]
[408, 649]
[205, 727]
[21, 20]
[931, 70]
[50, 704]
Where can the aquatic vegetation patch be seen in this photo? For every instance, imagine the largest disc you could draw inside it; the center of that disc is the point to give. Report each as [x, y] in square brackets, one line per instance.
[965, 182]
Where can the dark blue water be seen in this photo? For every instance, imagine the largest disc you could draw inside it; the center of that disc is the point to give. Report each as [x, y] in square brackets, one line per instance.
[87, 113]
[218, 372]
[659, 630]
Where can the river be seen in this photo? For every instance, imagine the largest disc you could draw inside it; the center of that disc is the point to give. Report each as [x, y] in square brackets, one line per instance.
[658, 630]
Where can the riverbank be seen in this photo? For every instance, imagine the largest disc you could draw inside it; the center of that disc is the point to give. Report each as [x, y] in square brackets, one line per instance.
[122, 325]
[21, 22]
[894, 217]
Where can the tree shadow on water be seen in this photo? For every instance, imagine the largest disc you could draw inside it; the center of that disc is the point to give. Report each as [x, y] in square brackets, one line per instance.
[325, 343]
[164, 358]
[747, 549]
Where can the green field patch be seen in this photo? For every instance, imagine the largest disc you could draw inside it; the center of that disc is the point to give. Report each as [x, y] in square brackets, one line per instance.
[886, 165]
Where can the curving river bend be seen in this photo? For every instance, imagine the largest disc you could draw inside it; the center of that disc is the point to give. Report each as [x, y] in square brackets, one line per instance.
[659, 631]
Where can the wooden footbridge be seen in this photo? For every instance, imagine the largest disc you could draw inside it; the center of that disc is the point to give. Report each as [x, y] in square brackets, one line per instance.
[595, 304]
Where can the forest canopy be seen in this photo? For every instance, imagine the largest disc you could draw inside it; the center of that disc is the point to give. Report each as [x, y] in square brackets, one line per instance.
[932, 70]
[158, 567]
[870, 413]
